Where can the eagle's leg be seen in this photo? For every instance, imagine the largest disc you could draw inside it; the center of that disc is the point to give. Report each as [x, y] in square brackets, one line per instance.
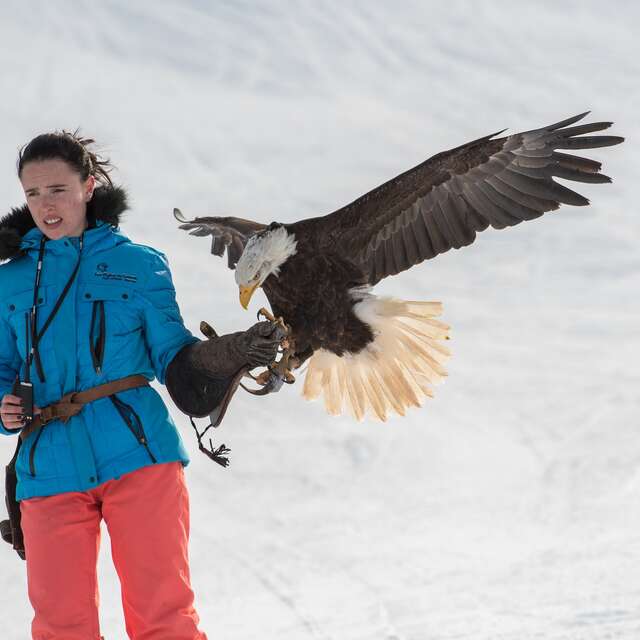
[287, 362]
[272, 378]
[290, 360]
[278, 372]
[282, 366]
[281, 369]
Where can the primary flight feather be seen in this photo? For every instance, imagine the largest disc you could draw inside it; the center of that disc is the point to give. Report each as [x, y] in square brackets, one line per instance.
[376, 355]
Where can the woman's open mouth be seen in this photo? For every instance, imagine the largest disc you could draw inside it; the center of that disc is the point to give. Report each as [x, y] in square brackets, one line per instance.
[52, 223]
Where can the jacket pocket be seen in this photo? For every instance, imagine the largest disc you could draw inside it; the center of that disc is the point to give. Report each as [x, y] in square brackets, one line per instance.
[110, 323]
[133, 422]
[123, 314]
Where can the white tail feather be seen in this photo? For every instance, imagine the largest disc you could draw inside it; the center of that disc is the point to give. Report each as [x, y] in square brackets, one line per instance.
[394, 372]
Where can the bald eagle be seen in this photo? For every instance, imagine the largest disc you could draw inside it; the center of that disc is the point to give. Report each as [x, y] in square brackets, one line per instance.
[377, 355]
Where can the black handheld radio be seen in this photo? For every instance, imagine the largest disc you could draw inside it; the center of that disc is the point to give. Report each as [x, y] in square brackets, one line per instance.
[24, 390]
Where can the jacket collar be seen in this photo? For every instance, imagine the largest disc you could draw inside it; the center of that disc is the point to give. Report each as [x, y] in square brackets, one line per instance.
[101, 236]
[18, 232]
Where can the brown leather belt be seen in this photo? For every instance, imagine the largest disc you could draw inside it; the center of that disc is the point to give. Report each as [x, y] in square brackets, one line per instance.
[71, 404]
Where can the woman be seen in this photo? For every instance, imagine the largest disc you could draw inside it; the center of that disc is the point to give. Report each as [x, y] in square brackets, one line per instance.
[84, 309]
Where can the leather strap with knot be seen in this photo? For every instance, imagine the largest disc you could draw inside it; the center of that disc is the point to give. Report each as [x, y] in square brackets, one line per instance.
[71, 403]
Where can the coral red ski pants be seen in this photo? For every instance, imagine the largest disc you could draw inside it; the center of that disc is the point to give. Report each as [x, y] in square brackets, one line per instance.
[147, 516]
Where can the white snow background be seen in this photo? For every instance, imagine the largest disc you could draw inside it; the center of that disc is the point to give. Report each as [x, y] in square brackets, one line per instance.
[507, 508]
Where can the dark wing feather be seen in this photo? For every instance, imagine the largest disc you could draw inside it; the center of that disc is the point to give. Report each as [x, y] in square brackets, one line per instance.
[444, 201]
[229, 233]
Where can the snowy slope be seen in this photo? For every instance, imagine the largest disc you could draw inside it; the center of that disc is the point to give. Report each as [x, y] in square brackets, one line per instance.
[507, 508]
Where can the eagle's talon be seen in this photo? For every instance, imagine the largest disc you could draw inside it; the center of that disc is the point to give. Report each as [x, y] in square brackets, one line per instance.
[266, 314]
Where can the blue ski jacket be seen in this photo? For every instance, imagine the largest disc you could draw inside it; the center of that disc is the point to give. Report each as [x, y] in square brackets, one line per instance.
[119, 318]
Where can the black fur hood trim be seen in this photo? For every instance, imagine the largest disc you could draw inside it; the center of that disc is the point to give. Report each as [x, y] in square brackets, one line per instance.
[107, 204]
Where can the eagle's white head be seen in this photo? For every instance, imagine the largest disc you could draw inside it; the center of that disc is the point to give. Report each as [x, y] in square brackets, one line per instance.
[263, 255]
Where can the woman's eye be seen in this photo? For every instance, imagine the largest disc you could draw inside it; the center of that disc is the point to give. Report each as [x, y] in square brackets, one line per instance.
[58, 191]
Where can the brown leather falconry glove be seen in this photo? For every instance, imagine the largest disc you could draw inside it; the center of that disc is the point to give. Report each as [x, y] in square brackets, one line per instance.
[204, 375]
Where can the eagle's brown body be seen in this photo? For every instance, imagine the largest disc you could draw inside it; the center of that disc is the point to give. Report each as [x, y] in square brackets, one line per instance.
[319, 313]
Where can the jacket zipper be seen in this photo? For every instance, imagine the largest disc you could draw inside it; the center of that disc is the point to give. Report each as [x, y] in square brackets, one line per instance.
[32, 452]
[128, 415]
[96, 346]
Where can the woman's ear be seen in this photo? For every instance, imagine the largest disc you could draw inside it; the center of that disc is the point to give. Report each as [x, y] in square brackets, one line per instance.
[90, 185]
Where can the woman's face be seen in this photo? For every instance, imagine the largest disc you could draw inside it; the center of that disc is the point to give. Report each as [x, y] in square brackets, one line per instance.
[57, 197]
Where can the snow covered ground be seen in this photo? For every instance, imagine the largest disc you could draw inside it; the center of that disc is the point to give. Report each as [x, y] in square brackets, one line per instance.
[508, 507]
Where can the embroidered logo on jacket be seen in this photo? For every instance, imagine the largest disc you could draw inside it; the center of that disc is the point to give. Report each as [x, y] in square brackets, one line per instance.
[102, 272]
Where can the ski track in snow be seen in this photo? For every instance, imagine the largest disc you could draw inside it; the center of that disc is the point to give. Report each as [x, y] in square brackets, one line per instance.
[506, 508]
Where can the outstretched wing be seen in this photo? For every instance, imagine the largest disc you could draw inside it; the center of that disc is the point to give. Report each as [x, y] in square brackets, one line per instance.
[229, 233]
[444, 201]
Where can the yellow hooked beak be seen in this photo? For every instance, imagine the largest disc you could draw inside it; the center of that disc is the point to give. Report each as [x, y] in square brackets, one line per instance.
[246, 293]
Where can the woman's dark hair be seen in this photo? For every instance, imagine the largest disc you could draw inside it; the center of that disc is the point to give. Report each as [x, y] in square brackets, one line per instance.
[70, 147]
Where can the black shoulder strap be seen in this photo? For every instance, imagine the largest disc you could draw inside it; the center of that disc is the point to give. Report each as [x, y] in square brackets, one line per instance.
[37, 335]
